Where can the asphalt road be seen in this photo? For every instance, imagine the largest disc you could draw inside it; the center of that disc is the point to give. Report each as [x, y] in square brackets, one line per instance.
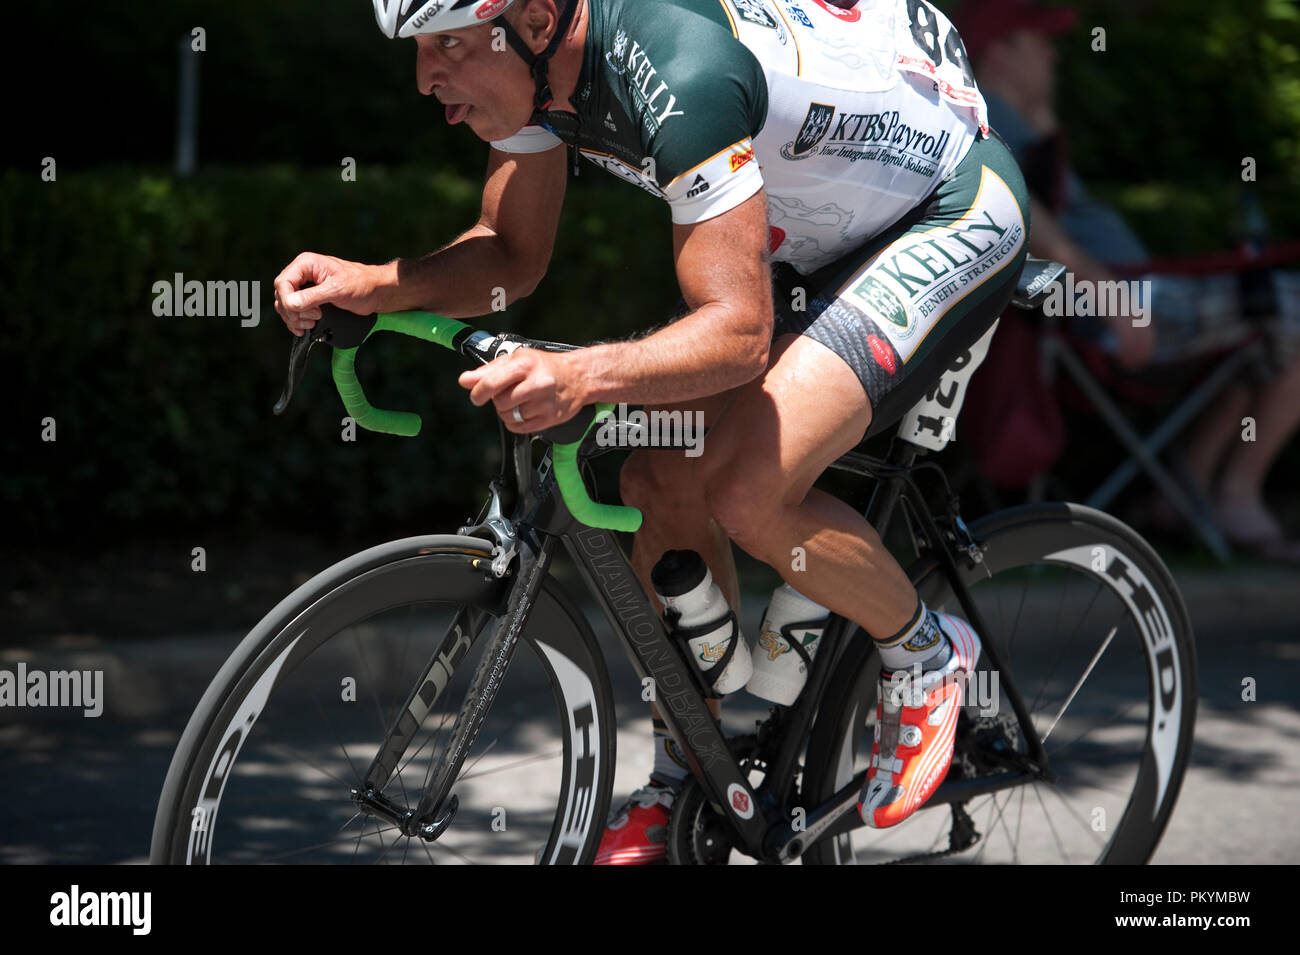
[82, 790]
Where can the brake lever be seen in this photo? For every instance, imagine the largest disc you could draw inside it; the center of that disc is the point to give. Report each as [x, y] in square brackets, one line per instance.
[336, 327]
[297, 365]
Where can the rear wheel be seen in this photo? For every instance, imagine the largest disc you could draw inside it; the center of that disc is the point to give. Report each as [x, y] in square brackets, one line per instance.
[266, 768]
[1089, 622]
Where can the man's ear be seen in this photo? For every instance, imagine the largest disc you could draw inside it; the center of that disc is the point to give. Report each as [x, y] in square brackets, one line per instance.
[536, 21]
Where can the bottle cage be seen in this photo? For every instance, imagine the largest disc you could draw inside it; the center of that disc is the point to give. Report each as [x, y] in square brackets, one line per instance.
[690, 633]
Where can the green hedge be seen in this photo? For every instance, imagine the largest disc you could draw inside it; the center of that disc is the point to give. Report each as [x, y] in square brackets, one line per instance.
[1162, 119]
[165, 423]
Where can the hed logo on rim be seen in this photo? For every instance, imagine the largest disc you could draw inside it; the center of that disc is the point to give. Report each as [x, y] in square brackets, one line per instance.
[491, 8]
[741, 804]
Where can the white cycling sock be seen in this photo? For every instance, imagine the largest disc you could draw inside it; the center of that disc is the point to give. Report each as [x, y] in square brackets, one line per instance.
[921, 641]
[669, 769]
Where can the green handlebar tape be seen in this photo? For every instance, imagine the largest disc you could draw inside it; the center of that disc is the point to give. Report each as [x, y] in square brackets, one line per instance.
[443, 331]
[592, 513]
[423, 325]
[403, 423]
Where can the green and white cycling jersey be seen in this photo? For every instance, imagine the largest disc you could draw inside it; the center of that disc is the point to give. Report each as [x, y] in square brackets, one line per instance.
[848, 118]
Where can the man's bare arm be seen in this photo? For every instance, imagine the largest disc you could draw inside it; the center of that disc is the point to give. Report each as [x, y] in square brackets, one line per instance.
[1136, 343]
[509, 247]
[723, 271]
[1048, 240]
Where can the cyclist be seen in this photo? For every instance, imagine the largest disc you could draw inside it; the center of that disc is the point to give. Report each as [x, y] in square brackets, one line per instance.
[844, 225]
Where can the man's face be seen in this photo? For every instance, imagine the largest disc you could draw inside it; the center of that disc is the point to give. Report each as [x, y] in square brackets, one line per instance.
[1028, 59]
[478, 77]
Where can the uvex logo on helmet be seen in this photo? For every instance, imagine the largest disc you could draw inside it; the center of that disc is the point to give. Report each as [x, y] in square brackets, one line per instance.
[408, 18]
[425, 15]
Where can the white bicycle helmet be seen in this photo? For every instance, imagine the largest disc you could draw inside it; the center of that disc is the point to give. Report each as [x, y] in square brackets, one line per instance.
[405, 18]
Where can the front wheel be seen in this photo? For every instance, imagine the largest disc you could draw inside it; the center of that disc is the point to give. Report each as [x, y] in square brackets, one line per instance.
[267, 767]
[1088, 620]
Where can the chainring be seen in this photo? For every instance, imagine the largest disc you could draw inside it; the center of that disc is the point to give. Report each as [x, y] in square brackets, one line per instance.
[698, 834]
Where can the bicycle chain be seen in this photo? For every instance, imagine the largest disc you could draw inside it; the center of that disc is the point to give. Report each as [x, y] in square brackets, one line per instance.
[963, 828]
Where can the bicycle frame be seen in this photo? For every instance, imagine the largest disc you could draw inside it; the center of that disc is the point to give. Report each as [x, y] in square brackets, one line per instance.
[758, 818]
[540, 520]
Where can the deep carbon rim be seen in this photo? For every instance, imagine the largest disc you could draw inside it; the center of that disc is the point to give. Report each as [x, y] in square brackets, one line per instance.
[1109, 558]
[561, 653]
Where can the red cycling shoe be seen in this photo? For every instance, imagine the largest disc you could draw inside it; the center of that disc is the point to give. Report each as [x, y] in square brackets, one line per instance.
[637, 833]
[916, 724]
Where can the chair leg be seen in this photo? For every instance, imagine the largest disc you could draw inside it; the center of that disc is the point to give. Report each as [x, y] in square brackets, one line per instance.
[1178, 419]
[1203, 525]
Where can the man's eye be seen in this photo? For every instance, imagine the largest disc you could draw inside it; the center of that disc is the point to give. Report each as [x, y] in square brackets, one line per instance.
[447, 42]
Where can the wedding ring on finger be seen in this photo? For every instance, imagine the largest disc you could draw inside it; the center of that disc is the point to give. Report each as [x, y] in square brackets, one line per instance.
[517, 416]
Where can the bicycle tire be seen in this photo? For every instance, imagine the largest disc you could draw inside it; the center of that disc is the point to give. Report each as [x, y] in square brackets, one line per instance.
[1048, 539]
[433, 571]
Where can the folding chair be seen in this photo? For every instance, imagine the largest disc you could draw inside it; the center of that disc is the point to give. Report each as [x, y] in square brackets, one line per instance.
[1228, 350]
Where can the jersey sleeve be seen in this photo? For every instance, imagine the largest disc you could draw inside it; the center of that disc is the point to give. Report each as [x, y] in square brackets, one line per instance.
[717, 185]
[530, 139]
[703, 108]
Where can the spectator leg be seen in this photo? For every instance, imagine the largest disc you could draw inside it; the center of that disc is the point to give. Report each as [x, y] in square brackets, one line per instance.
[1276, 410]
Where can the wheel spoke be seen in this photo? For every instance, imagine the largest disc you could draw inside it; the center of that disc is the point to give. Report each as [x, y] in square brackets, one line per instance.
[280, 856]
[524, 761]
[1055, 835]
[1068, 642]
[342, 747]
[477, 759]
[1015, 853]
[1079, 685]
[1078, 818]
[1015, 626]
[1096, 726]
[292, 754]
[384, 725]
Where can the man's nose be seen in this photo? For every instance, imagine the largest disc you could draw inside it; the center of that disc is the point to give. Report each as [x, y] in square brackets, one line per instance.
[430, 69]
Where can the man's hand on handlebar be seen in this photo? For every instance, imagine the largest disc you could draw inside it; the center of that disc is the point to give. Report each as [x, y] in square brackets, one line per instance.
[313, 279]
[544, 386]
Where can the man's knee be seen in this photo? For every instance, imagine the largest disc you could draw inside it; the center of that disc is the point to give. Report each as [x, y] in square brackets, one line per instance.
[650, 478]
[744, 500]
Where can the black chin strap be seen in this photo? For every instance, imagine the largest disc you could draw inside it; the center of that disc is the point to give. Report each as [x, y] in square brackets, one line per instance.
[539, 63]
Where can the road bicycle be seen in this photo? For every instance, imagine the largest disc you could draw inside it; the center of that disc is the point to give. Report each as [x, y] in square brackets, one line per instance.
[384, 711]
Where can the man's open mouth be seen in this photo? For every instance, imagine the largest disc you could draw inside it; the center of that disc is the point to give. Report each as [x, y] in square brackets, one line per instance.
[457, 112]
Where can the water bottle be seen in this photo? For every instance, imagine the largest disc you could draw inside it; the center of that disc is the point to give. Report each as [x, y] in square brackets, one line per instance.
[792, 630]
[698, 614]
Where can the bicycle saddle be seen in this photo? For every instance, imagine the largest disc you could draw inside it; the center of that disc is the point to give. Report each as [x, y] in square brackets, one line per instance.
[1035, 279]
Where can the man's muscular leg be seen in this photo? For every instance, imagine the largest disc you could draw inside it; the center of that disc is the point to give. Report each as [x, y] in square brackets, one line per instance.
[778, 435]
[668, 488]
